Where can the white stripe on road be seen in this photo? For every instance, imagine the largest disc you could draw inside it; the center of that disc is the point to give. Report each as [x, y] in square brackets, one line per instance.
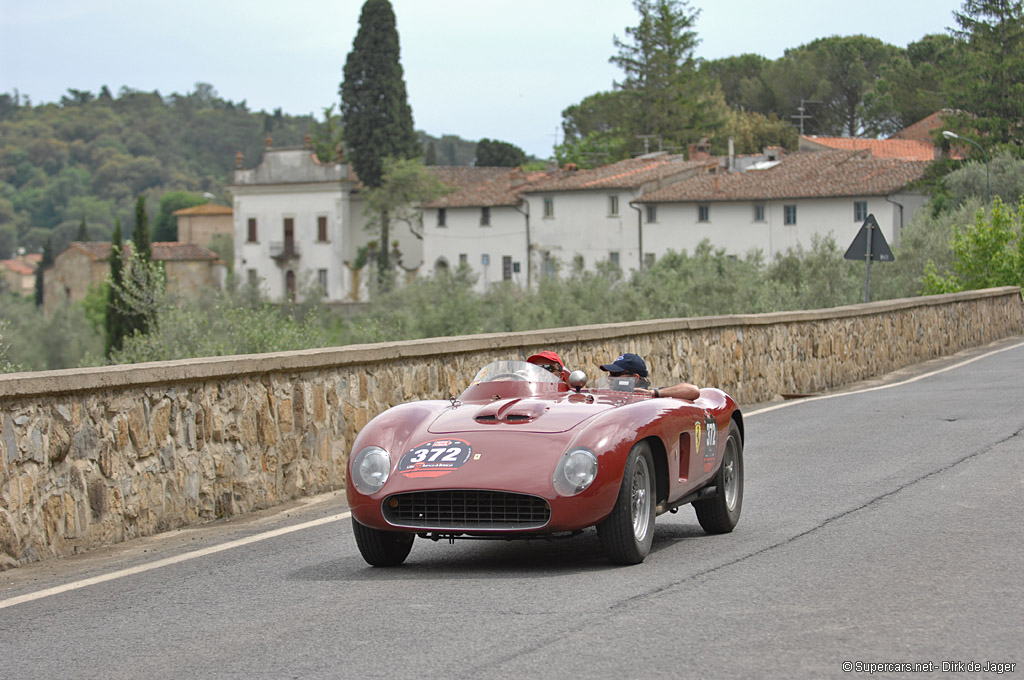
[177, 559]
[184, 557]
[881, 387]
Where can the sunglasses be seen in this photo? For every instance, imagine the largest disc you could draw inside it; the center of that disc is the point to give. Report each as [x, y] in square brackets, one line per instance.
[551, 368]
[619, 374]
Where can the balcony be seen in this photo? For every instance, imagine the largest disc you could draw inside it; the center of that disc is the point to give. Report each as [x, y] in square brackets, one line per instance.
[284, 250]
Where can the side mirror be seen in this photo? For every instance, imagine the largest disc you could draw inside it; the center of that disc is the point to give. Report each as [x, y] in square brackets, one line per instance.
[577, 380]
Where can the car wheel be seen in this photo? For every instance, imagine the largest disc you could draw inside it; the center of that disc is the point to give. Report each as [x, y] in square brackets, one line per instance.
[720, 514]
[382, 548]
[627, 533]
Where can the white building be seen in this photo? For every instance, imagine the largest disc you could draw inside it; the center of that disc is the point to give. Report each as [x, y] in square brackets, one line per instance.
[581, 217]
[300, 224]
[776, 205]
[483, 225]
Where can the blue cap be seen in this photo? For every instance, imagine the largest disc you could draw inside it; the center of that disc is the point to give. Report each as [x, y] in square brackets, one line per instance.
[627, 363]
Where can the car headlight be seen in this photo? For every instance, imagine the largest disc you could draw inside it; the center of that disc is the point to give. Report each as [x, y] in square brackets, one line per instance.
[576, 471]
[370, 469]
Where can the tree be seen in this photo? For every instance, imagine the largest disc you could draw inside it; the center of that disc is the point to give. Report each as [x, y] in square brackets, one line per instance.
[83, 231]
[836, 73]
[406, 185]
[494, 153]
[140, 235]
[326, 137]
[987, 254]
[44, 264]
[668, 99]
[166, 224]
[115, 325]
[374, 106]
[988, 83]
[910, 87]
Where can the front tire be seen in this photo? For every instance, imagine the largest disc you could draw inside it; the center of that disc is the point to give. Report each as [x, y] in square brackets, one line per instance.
[382, 548]
[720, 514]
[628, 532]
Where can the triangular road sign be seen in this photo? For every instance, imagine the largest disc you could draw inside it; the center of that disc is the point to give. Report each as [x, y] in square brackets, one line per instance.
[869, 241]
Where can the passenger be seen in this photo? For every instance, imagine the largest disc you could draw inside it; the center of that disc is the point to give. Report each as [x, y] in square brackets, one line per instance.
[550, 362]
[632, 365]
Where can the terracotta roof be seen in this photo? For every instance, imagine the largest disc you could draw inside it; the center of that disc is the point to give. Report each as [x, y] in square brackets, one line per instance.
[20, 267]
[921, 129]
[627, 174]
[909, 149]
[163, 251]
[481, 186]
[812, 174]
[205, 209]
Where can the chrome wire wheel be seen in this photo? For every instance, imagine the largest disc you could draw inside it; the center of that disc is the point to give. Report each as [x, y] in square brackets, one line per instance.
[640, 499]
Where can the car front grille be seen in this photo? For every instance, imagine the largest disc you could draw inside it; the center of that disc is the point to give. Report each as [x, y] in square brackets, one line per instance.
[466, 510]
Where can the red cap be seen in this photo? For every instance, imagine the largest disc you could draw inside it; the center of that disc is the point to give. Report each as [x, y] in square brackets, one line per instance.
[547, 356]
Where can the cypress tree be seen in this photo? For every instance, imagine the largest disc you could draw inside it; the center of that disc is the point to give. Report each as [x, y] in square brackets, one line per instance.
[375, 110]
[115, 321]
[140, 237]
[45, 263]
[83, 232]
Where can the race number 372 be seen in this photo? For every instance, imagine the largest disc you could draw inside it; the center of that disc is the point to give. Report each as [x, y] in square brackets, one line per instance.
[440, 455]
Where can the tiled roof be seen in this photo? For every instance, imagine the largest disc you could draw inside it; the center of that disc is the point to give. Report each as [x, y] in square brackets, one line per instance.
[626, 174]
[20, 267]
[909, 149]
[163, 251]
[812, 174]
[205, 209]
[481, 186]
[921, 129]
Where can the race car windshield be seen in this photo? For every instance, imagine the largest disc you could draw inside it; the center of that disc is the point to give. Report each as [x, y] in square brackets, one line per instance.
[513, 370]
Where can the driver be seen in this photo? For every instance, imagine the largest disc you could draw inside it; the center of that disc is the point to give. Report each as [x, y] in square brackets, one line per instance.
[631, 365]
[550, 362]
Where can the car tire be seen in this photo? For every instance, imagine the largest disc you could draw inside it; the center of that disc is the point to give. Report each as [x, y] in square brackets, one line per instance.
[719, 515]
[628, 532]
[382, 548]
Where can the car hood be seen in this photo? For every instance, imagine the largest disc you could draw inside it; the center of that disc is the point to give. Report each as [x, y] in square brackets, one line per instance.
[544, 416]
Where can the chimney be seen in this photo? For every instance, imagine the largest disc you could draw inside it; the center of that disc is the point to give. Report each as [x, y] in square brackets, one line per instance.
[732, 154]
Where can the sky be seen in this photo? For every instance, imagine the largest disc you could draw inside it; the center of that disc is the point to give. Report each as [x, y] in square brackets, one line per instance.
[474, 68]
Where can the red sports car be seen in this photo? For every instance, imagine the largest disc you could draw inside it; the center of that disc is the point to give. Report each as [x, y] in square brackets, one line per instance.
[524, 454]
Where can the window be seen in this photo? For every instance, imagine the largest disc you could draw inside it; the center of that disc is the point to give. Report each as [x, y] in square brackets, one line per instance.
[463, 259]
[321, 277]
[254, 278]
[860, 211]
[652, 213]
[289, 235]
[506, 267]
[703, 212]
[252, 230]
[578, 263]
[649, 260]
[485, 216]
[759, 212]
[549, 206]
[613, 205]
[321, 228]
[442, 217]
[613, 257]
[789, 214]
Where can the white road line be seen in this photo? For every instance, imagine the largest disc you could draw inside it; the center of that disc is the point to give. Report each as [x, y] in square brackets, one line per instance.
[184, 557]
[880, 387]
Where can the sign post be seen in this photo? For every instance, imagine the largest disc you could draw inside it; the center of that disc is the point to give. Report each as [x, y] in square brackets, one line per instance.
[869, 244]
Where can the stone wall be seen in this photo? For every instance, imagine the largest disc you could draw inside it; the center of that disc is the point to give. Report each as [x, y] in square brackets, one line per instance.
[99, 455]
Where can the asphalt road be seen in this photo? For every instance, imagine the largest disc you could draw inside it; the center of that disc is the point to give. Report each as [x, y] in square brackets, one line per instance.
[879, 527]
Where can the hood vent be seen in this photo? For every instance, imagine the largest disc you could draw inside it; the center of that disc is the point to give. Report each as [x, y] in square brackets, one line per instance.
[511, 411]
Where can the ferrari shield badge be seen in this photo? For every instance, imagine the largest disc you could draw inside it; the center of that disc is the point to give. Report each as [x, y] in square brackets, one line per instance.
[434, 458]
